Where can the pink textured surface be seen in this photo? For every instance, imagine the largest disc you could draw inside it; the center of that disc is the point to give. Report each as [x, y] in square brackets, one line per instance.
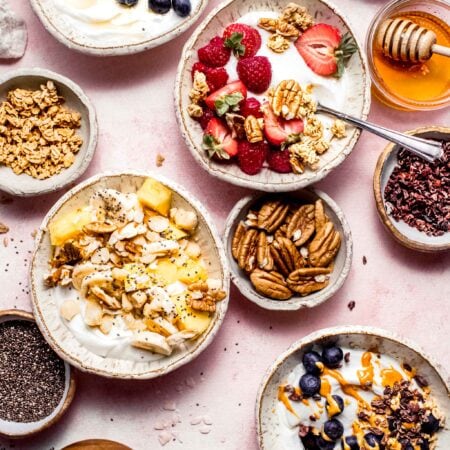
[397, 289]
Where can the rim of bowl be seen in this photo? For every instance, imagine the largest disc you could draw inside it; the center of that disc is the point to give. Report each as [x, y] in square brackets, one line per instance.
[379, 198]
[335, 332]
[302, 302]
[397, 101]
[18, 314]
[91, 119]
[91, 444]
[248, 183]
[115, 50]
[209, 335]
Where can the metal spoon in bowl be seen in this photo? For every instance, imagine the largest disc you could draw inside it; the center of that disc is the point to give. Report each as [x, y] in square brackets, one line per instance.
[424, 148]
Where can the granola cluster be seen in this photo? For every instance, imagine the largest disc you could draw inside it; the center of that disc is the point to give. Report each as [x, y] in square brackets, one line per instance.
[37, 133]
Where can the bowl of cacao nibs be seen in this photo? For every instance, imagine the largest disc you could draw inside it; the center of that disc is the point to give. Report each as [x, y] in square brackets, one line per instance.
[288, 252]
[36, 385]
[413, 195]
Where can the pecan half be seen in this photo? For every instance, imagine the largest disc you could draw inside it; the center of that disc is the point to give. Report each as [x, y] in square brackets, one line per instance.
[247, 250]
[319, 214]
[285, 255]
[268, 24]
[324, 247]
[309, 279]
[237, 237]
[236, 124]
[272, 215]
[301, 225]
[263, 256]
[287, 30]
[254, 129]
[286, 99]
[270, 284]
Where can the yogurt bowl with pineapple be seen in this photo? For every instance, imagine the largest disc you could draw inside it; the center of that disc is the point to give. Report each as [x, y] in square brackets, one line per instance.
[128, 276]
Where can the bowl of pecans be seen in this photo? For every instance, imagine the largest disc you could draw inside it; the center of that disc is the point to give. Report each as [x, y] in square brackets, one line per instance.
[412, 195]
[288, 252]
[48, 132]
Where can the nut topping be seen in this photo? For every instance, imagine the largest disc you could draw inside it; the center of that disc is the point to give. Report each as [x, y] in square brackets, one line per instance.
[236, 123]
[270, 284]
[99, 228]
[263, 255]
[254, 129]
[319, 214]
[325, 245]
[272, 215]
[268, 24]
[301, 226]
[238, 235]
[278, 43]
[247, 250]
[308, 279]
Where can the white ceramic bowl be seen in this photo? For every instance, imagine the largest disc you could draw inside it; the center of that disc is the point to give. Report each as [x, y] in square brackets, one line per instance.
[16, 430]
[75, 38]
[24, 185]
[357, 104]
[45, 300]
[268, 423]
[404, 234]
[342, 262]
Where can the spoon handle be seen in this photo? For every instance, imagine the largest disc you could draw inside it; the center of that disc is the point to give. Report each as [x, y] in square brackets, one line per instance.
[440, 50]
[425, 148]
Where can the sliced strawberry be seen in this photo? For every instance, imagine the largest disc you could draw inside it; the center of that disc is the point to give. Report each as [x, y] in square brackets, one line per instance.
[278, 130]
[324, 50]
[278, 161]
[244, 40]
[250, 107]
[256, 73]
[215, 53]
[217, 141]
[227, 97]
[216, 77]
[251, 157]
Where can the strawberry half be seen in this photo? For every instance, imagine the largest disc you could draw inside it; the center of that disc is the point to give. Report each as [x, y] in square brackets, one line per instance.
[324, 50]
[277, 130]
[217, 141]
[227, 98]
[250, 107]
[244, 40]
[215, 53]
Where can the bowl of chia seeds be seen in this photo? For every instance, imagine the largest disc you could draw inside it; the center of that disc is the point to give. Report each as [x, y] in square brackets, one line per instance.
[36, 386]
[413, 195]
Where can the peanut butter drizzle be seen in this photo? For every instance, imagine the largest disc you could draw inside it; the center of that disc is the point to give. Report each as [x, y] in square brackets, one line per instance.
[365, 375]
[282, 397]
[390, 376]
[325, 391]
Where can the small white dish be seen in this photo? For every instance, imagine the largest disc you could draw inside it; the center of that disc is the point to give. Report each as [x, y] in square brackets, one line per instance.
[45, 301]
[16, 430]
[268, 423]
[407, 236]
[24, 185]
[357, 97]
[342, 263]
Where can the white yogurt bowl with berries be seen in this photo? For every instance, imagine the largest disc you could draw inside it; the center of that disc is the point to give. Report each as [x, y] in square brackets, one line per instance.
[116, 27]
[331, 390]
[240, 75]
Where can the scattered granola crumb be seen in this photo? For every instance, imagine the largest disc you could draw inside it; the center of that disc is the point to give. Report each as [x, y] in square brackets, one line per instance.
[160, 160]
[338, 129]
[33, 233]
[351, 305]
[3, 228]
[5, 242]
[364, 260]
[347, 357]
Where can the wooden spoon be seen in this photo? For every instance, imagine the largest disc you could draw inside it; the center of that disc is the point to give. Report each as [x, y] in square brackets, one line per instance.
[404, 40]
[96, 444]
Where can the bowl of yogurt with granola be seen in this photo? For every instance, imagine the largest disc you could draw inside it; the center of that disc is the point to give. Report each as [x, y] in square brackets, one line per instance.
[353, 388]
[129, 277]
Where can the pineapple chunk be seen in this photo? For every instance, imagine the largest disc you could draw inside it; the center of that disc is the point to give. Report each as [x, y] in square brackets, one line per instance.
[191, 272]
[188, 319]
[174, 233]
[166, 272]
[69, 226]
[137, 277]
[156, 196]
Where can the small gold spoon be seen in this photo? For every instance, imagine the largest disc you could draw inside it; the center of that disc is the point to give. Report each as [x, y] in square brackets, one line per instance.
[404, 40]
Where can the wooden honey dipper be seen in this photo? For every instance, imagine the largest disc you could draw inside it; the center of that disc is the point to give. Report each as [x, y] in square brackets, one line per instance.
[404, 40]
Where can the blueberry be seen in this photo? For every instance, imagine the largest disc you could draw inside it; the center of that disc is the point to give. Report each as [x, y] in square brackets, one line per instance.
[409, 447]
[373, 440]
[182, 7]
[127, 2]
[424, 445]
[159, 6]
[340, 403]
[310, 360]
[324, 444]
[352, 443]
[332, 357]
[333, 429]
[309, 384]
[431, 425]
[310, 442]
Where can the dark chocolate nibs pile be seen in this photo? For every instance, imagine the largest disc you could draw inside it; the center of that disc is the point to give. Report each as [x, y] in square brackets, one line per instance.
[418, 193]
[32, 376]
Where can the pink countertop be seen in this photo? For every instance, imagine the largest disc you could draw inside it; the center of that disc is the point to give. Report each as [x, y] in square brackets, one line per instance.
[397, 289]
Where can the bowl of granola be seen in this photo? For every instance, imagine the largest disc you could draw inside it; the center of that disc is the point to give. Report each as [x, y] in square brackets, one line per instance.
[356, 387]
[288, 252]
[129, 277]
[247, 89]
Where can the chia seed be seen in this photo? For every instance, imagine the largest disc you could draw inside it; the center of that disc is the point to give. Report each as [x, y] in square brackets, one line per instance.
[32, 376]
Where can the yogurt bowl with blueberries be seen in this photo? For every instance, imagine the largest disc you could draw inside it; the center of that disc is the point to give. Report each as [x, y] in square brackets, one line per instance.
[353, 388]
[116, 27]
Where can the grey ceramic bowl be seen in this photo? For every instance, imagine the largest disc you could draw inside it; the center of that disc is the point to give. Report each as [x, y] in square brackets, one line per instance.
[343, 259]
[23, 185]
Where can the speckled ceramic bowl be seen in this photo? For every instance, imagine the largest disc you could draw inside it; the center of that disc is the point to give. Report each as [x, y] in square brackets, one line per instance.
[357, 104]
[404, 234]
[16, 430]
[268, 423]
[342, 263]
[45, 300]
[25, 186]
[68, 33]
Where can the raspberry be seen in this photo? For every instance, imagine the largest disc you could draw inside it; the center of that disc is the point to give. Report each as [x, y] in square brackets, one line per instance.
[216, 77]
[250, 107]
[205, 118]
[278, 161]
[251, 157]
[245, 41]
[256, 73]
[215, 53]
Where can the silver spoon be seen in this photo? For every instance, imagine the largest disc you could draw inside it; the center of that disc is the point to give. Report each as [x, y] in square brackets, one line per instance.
[424, 148]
